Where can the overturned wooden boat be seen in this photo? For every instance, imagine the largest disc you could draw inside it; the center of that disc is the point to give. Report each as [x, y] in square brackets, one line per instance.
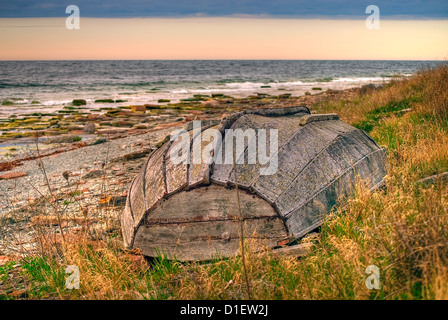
[189, 210]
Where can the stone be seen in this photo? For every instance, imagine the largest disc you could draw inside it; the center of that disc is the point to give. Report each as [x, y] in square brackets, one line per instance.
[4, 260]
[211, 104]
[89, 128]
[112, 130]
[140, 126]
[138, 109]
[123, 123]
[96, 141]
[63, 139]
[74, 128]
[79, 102]
[95, 116]
[152, 106]
[13, 175]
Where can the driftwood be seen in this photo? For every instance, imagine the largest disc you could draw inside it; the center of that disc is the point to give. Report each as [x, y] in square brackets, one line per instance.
[189, 211]
[296, 251]
[434, 179]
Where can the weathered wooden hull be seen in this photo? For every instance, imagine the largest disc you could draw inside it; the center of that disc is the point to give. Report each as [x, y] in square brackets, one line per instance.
[187, 211]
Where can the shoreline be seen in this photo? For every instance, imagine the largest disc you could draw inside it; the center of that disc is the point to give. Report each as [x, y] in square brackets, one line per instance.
[48, 104]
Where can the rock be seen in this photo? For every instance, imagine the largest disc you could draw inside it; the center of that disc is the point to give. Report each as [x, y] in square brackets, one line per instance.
[89, 128]
[112, 130]
[3, 260]
[211, 104]
[74, 127]
[63, 139]
[123, 123]
[13, 175]
[123, 113]
[140, 126]
[138, 109]
[79, 102]
[152, 106]
[136, 155]
[94, 173]
[161, 141]
[52, 132]
[163, 100]
[93, 142]
[95, 116]
[104, 101]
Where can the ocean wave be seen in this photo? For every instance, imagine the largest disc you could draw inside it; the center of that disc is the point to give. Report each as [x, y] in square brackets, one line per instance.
[360, 79]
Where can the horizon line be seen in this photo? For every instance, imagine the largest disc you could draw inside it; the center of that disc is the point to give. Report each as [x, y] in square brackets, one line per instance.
[245, 16]
[30, 60]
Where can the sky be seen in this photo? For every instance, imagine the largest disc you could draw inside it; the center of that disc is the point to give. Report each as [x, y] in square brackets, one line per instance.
[216, 29]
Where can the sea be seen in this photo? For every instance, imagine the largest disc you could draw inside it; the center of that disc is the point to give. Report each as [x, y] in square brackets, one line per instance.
[28, 87]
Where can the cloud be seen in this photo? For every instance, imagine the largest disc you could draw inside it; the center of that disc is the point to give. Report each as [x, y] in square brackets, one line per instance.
[420, 9]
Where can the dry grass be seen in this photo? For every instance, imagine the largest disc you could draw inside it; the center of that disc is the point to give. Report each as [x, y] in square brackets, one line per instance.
[402, 229]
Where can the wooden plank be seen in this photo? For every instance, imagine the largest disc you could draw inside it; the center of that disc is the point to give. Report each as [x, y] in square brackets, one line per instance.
[434, 179]
[221, 171]
[205, 240]
[311, 213]
[137, 199]
[247, 173]
[298, 250]
[294, 155]
[155, 178]
[199, 173]
[326, 166]
[176, 174]
[127, 226]
[318, 117]
[209, 203]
